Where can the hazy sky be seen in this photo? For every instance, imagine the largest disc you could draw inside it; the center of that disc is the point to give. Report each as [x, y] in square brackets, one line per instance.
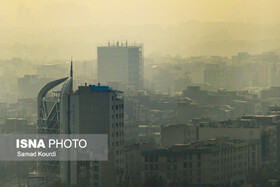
[136, 12]
[40, 28]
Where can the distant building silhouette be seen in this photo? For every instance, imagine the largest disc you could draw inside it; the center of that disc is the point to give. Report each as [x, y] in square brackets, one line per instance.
[121, 63]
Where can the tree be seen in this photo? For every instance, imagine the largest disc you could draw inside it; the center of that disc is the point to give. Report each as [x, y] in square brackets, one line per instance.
[58, 183]
[154, 182]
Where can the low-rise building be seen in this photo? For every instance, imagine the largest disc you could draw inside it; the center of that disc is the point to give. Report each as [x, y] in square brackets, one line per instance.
[133, 162]
[213, 162]
[177, 134]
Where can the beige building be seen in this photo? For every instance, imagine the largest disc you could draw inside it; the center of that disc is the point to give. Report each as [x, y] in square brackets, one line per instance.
[206, 133]
[262, 129]
[267, 136]
[213, 162]
[177, 134]
[18, 126]
[133, 164]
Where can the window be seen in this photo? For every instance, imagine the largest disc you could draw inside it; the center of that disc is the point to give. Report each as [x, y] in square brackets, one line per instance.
[151, 167]
[168, 159]
[185, 165]
[168, 167]
[146, 174]
[168, 175]
[175, 167]
[146, 158]
[96, 168]
[146, 166]
[156, 159]
[156, 167]
[190, 164]
[198, 156]
[190, 156]
[199, 164]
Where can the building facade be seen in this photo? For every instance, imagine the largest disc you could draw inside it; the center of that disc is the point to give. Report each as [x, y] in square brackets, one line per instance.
[217, 162]
[177, 134]
[88, 110]
[100, 110]
[121, 63]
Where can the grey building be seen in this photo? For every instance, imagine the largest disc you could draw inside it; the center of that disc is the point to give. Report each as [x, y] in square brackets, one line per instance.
[100, 110]
[88, 110]
[121, 63]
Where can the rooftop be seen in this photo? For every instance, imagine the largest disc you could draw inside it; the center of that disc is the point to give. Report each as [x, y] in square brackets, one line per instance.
[212, 145]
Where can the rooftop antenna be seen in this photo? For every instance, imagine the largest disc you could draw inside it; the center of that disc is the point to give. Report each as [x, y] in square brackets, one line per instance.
[71, 68]
[71, 75]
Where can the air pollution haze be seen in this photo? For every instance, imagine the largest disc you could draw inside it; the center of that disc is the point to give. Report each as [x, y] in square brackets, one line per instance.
[163, 93]
[55, 29]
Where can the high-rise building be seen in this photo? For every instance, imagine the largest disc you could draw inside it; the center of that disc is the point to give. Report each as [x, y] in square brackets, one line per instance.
[121, 63]
[53, 115]
[88, 110]
[100, 110]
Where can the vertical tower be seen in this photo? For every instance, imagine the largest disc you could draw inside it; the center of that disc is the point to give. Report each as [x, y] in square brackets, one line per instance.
[88, 110]
[51, 120]
[121, 63]
[100, 110]
[53, 116]
[71, 75]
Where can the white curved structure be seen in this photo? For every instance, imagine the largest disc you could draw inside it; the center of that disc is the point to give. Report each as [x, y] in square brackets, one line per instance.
[53, 119]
